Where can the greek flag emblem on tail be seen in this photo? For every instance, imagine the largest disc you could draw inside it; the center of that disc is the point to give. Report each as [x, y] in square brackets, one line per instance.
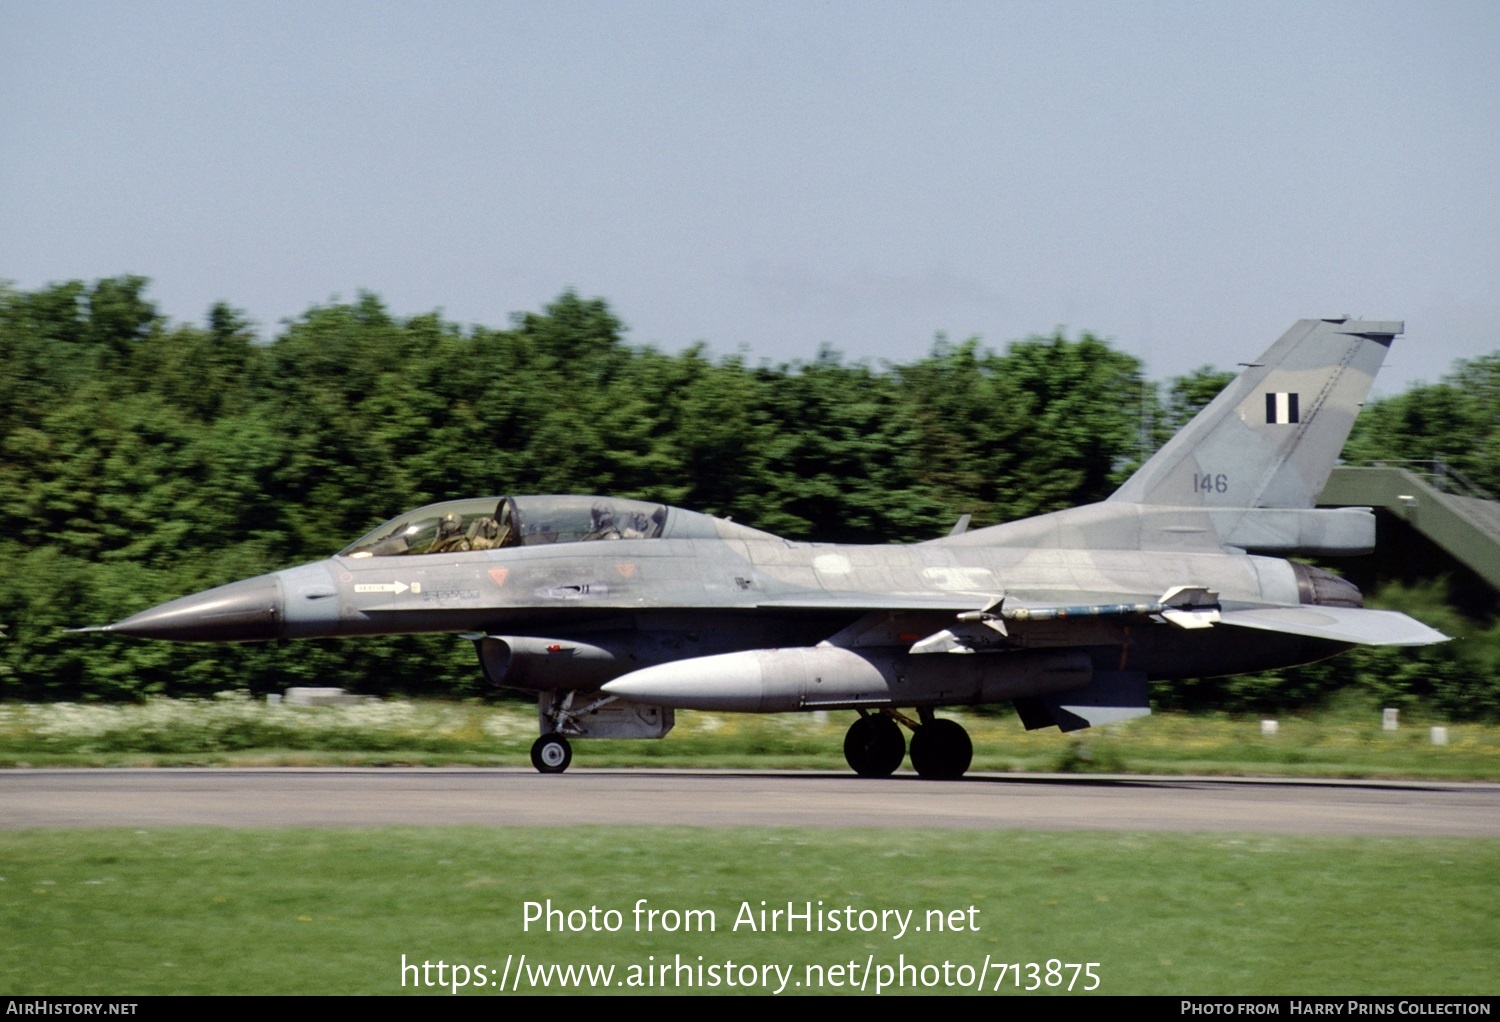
[1281, 408]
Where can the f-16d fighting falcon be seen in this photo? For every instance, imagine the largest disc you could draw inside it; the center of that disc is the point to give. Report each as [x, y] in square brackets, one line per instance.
[615, 613]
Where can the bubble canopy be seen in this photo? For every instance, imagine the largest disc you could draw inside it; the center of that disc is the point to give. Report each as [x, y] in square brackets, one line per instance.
[487, 523]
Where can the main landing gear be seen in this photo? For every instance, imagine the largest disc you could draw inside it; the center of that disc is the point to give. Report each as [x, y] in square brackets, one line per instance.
[940, 749]
[874, 745]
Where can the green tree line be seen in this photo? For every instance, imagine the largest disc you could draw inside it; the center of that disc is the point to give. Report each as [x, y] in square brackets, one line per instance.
[142, 459]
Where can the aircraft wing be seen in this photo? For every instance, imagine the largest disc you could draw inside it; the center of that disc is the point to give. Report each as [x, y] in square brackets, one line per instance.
[1038, 600]
[978, 624]
[982, 627]
[1337, 624]
[956, 602]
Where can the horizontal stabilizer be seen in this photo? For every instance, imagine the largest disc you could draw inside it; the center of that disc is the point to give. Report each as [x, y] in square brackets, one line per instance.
[1337, 624]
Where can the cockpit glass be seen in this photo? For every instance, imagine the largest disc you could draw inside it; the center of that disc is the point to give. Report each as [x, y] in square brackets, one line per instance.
[493, 522]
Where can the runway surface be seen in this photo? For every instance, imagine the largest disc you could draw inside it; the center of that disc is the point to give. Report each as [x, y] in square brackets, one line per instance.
[518, 798]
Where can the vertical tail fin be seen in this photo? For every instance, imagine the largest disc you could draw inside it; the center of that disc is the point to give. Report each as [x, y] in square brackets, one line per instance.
[1271, 437]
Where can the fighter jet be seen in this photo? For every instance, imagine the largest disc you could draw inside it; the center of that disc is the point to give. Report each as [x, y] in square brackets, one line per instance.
[615, 612]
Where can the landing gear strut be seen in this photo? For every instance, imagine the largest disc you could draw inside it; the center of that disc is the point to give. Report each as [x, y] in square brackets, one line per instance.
[551, 754]
[874, 746]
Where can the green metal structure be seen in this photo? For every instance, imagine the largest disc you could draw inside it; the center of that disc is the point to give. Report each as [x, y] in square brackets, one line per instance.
[1435, 500]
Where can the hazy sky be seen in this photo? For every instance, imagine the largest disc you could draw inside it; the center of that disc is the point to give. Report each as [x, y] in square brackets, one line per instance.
[1184, 178]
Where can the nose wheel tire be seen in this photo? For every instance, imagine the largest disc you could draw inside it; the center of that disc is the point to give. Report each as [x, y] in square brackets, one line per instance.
[874, 746]
[941, 750]
[551, 754]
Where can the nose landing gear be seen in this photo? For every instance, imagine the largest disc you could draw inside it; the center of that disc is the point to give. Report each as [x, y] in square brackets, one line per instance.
[551, 754]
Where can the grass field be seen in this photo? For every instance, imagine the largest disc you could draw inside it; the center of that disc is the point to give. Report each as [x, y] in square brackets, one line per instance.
[1343, 742]
[136, 912]
[325, 912]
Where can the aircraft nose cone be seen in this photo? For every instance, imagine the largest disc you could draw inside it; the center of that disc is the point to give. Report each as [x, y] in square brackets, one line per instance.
[244, 611]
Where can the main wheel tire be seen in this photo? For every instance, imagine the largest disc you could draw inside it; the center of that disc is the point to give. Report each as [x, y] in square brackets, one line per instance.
[551, 754]
[874, 746]
[941, 750]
